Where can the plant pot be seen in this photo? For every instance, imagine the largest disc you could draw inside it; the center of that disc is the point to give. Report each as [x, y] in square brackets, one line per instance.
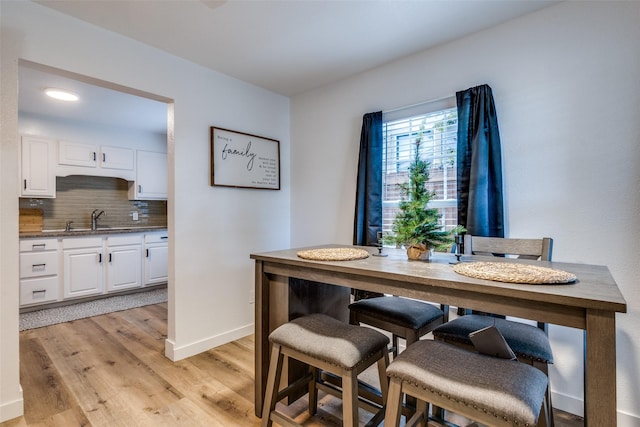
[418, 252]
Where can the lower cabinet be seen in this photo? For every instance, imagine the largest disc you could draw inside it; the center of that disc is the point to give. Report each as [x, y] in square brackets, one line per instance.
[83, 266]
[156, 257]
[39, 290]
[123, 262]
[39, 282]
[90, 265]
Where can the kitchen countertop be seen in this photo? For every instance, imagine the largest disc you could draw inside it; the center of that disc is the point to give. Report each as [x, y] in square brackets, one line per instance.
[87, 232]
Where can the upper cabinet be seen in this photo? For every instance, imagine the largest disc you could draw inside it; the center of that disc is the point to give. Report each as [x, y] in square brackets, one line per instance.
[77, 154]
[116, 158]
[151, 176]
[89, 159]
[42, 159]
[37, 167]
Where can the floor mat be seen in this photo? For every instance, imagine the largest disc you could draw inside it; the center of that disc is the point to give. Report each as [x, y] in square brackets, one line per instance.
[51, 316]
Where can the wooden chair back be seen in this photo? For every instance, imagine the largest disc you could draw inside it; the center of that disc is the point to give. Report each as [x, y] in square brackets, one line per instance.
[538, 249]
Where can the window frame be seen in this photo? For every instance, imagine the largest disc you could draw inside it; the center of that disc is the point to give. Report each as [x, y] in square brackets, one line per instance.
[443, 107]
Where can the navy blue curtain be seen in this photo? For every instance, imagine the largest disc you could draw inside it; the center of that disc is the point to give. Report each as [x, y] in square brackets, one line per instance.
[480, 208]
[368, 213]
[368, 216]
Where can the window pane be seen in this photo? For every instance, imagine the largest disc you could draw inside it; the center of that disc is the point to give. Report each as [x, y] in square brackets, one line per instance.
[437, 134]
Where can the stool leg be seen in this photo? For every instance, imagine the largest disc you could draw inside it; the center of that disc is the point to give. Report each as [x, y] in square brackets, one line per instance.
[313, 391]
[395, 344]
[349, 398]
[411, 401]
[422, 407]
[543, 417]
[394, 404]
[548, 407]
[383, 362]
[544, 367]
[273, 382]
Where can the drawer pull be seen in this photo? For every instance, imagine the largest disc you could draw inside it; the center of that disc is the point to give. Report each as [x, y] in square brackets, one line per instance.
[164, 237]
[39, 291]
[38, 246]
[38, 266]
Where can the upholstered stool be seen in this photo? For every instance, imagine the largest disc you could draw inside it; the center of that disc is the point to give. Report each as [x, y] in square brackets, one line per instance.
[404, 318]
[492, 391]
[529, 343]
[325, 343]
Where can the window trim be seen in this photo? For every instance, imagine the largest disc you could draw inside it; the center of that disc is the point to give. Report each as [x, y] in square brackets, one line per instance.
[407, 113]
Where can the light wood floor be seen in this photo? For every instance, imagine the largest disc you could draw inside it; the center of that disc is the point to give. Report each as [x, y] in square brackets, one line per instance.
[110, 370]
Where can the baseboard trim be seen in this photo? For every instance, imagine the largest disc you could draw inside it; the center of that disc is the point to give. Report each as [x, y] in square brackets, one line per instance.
[567, 403]
[175, 353]
[575, 406]
[11, 410]
[628, 420]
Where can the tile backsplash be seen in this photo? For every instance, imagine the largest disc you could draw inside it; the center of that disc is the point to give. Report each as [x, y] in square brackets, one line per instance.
[77, 196]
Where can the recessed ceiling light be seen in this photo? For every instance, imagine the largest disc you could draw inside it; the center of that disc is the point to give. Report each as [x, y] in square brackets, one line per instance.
[61, 94]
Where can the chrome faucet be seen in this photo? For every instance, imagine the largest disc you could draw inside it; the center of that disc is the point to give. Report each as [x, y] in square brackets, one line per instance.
[94, 218]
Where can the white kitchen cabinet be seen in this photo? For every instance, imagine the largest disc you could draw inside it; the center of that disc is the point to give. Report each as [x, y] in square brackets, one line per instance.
[124, 262]
[78, 158]
[39, 271]
[62, 268]
[156, 257]
[77, 154]
[83, 266]
[37, 167]
[151, 181]
[116, 158]
[34, 264]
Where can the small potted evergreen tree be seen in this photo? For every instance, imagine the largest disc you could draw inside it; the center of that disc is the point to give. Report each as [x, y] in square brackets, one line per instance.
[416, 226]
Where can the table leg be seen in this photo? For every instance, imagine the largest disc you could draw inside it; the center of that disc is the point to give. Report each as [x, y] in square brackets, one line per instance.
[600, 369]
[261, 335]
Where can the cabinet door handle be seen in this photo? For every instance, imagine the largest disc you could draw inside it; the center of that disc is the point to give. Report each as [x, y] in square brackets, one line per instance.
[104, 157]
[139, 188]
[94, 156]
[147, 253]
[109, 256]
[100, 258]
[25, 184]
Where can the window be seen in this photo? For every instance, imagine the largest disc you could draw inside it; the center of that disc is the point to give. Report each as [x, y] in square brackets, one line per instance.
[437, 131]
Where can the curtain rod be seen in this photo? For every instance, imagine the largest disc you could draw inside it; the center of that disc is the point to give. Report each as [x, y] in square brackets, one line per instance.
[418, 104]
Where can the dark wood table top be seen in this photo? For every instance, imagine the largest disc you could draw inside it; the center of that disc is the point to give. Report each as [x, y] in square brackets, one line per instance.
[594, 288]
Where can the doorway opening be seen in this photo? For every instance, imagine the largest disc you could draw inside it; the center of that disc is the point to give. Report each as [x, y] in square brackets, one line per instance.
[115, 119]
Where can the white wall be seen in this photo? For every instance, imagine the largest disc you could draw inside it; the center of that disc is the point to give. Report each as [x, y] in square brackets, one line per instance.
[565, 82]
[31, 124]
[213, 229]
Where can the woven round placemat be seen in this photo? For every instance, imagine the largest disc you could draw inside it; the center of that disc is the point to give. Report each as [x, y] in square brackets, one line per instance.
[513, 273]
[334, 254]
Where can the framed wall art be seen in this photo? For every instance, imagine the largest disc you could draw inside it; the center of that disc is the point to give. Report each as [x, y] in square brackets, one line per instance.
[243, 160]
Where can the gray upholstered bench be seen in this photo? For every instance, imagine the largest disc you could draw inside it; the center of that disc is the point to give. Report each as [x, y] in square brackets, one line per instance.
[492, 391]
[333, 346]
[529, 343]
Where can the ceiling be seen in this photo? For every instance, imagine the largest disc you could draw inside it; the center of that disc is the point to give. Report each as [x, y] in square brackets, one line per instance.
[98, 105]
[293, 46]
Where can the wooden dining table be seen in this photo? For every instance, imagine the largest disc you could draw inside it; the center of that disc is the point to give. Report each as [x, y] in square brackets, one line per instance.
[590, 303]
